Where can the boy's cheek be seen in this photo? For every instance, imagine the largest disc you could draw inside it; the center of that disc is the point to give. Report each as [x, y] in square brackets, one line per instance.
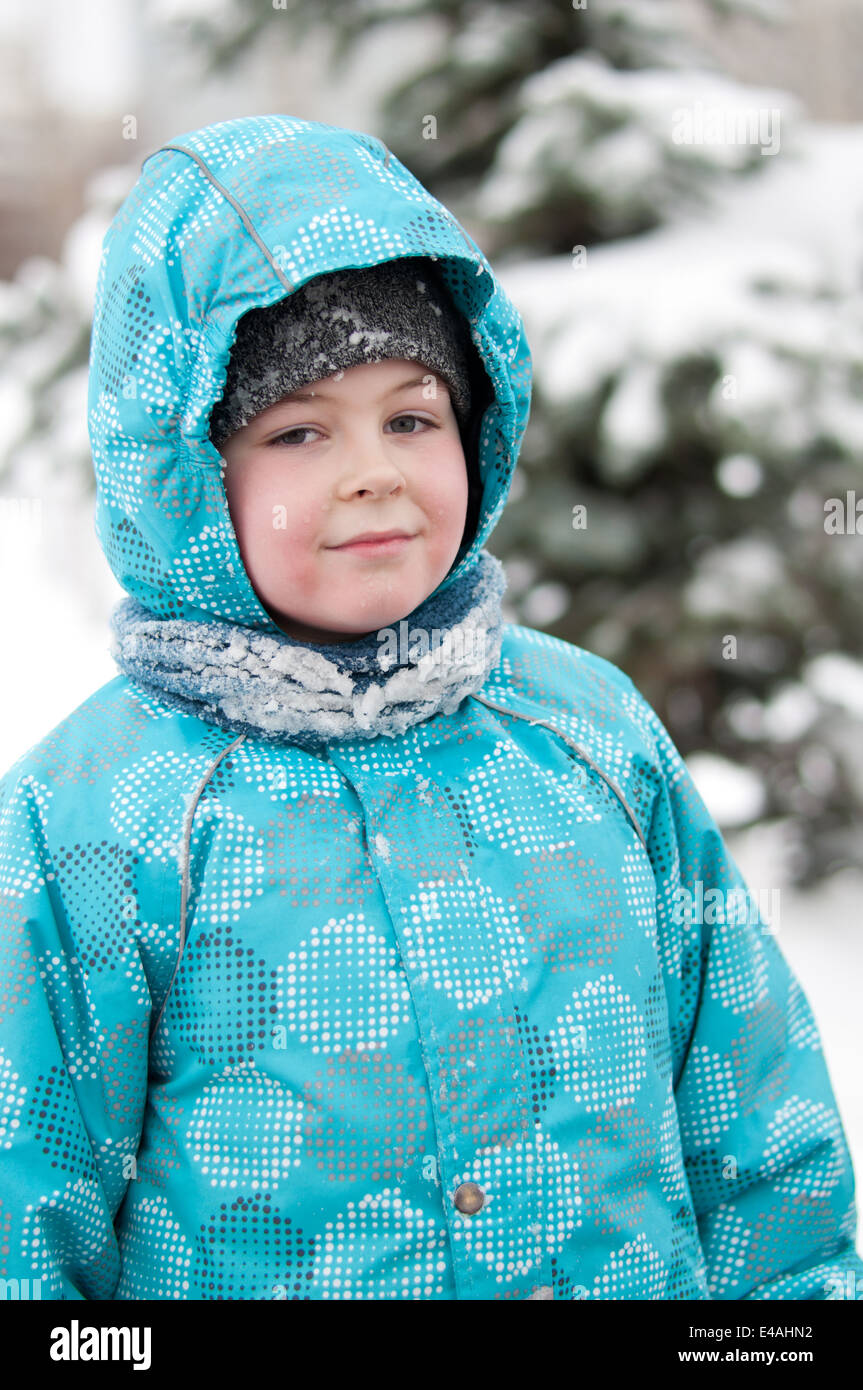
[257, 504]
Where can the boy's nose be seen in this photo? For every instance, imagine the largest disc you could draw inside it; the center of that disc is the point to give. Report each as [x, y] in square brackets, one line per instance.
[370, 470]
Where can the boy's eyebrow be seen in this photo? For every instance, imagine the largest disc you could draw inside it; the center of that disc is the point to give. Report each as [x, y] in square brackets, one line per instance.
[318, 395]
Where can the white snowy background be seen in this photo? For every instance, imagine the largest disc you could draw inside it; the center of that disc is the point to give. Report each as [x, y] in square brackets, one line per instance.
[645, 296]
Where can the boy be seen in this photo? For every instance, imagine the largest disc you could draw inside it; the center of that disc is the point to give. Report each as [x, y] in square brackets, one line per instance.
[349, 939]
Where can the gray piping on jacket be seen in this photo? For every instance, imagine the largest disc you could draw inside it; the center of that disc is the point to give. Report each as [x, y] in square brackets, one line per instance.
[249, 225]
[238, 207]
[184, 867]
[514, 714]
[386, 149]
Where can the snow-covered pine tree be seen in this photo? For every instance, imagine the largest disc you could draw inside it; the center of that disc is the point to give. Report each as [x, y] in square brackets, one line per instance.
[683, 248]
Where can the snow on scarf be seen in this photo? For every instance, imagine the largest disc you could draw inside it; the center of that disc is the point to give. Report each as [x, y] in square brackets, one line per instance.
[286, 690]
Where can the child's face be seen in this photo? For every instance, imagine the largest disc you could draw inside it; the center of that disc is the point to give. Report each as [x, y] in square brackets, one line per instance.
[357, 451]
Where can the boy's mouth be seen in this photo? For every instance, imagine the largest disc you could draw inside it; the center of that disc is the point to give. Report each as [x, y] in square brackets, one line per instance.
[376, 540]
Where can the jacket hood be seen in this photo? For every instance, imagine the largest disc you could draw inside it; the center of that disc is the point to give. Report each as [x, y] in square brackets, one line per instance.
[223, 220]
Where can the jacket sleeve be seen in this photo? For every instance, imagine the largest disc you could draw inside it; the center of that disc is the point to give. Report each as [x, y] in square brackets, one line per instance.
[765, 1155]
[74, 1013]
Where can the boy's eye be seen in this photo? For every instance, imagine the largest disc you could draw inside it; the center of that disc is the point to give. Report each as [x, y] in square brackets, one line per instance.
[398, 423]
[399, 418]
[285, 436]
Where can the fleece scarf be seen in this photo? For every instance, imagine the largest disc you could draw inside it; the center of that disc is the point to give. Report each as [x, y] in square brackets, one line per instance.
[278, 688]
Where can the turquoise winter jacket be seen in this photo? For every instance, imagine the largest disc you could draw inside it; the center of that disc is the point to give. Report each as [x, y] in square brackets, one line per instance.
[466, 1010]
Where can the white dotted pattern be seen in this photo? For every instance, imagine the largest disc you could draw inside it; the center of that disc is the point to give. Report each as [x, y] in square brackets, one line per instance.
[344, 987]
[447, 929]
[599, 1045]
[245, 1130]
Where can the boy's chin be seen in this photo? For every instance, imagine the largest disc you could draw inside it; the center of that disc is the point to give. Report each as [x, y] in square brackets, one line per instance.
[327, 636]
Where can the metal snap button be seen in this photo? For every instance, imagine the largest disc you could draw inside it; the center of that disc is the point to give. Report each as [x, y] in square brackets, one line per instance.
[469, 1198]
